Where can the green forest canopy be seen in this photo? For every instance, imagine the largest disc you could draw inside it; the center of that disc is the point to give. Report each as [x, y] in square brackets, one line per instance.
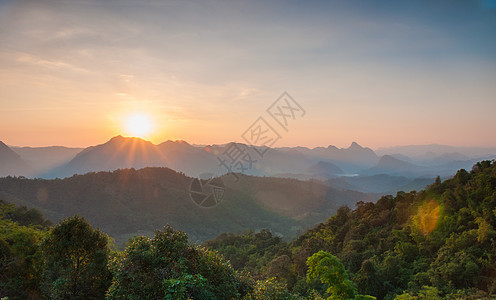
[437, 243]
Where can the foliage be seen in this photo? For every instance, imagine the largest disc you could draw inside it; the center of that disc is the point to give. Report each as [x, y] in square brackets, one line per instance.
[439, 243]
[168, 267]
[22, 215]
[427, 292]
[443, 238]
[330, 270]
[270, 289]
[327, 267]
[252, 252]
[129, 202]
[76, 256]
[21, 232]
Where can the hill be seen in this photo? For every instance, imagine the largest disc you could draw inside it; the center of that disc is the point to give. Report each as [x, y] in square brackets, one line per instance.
[128, 202]
[440, 241]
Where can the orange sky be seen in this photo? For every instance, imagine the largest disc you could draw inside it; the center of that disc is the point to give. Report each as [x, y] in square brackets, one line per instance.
[72, 74]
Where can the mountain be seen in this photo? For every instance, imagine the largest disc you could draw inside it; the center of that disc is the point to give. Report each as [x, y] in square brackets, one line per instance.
[127, 202]
[125, 152]
[390, 165]
[265, 161]
[380, 183]
[11, 163]
[45, 158]
[215, 160]
[119, 152]
[325, 168]
[433, 150]
[351, 159]
[438, 243]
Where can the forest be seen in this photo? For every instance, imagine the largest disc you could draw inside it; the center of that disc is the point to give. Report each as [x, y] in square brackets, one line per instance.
[438, 243]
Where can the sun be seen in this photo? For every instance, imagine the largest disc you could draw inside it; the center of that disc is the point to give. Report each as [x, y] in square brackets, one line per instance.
[138, 125]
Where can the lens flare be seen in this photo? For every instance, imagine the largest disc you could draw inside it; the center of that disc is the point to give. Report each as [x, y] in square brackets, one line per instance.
[427, 216]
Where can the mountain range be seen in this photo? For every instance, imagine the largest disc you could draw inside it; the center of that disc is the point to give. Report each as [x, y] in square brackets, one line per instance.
[353, 165]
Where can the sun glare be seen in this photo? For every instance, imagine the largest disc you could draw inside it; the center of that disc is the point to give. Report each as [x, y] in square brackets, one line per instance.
[138, 125]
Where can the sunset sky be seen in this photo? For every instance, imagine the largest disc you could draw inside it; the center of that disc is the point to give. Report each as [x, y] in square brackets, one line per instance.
[380, 73]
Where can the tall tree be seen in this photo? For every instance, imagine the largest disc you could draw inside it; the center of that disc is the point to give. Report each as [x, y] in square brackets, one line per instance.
[76, 257]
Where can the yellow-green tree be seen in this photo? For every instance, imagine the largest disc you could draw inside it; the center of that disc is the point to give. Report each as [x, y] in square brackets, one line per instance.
[327, 267]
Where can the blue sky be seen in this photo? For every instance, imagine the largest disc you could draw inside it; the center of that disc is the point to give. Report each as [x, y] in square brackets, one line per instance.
[376, 72]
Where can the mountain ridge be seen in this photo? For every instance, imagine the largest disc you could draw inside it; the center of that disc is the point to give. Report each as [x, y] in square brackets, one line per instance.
[128, 201]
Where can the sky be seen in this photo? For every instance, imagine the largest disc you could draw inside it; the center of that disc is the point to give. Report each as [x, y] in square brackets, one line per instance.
[380, 73]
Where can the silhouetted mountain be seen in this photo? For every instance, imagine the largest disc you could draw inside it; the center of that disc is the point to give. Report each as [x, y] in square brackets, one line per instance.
[11, 163]
[128, 202]
[118, 153]
[199, 161]
[123, 152]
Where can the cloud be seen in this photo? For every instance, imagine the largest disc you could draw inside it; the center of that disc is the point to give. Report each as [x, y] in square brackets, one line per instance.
[33, 60]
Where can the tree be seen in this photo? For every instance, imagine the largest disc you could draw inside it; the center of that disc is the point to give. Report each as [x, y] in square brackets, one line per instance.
[76, 257]
[21, 232]
[168, 267]
[20, 260]
[426, 293]
[330, 271]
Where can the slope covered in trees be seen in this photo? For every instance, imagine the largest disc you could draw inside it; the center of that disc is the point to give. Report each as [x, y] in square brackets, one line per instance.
[131, 202]
[440, 241]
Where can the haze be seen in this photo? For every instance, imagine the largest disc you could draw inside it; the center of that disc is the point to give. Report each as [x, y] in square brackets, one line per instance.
[409, 72]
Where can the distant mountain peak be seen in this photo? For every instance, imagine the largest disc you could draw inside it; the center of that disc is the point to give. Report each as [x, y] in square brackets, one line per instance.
[119, 139]
[355, 145]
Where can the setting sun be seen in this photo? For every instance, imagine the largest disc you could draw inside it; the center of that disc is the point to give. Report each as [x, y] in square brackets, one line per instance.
[138, 125]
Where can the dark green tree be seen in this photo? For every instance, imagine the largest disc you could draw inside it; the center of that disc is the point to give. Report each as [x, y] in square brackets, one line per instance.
[20, 260]
[76, 257]
[168, 267]
[21, 232]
